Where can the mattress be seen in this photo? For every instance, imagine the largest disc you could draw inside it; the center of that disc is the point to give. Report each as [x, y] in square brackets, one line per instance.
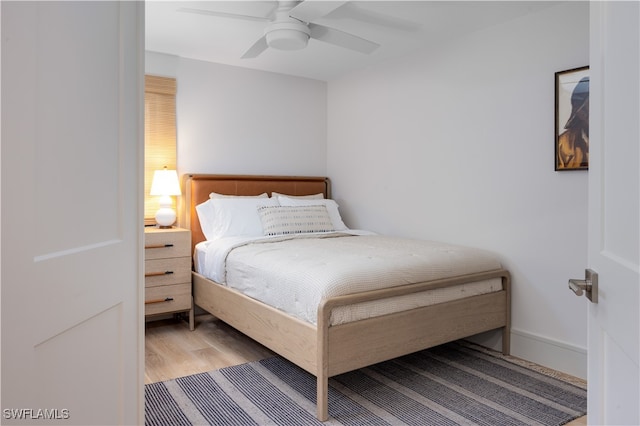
[295, 273]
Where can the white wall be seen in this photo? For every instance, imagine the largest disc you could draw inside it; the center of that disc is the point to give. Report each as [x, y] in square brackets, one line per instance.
[456, 143]
[241, 121]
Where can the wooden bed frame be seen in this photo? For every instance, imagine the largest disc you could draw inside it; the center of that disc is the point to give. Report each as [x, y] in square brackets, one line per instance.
[325, 350]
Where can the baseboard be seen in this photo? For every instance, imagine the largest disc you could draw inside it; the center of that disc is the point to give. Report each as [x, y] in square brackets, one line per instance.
[560, 356]
[550, 353]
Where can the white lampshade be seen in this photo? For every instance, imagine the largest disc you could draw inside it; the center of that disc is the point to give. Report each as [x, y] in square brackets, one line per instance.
[165, 184]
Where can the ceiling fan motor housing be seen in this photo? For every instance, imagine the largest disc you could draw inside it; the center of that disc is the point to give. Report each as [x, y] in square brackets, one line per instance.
[293, 35]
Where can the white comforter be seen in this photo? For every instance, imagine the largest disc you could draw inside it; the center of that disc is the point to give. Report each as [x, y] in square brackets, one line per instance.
[295, 273]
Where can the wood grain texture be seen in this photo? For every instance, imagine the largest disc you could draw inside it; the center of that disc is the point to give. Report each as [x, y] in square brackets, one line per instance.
[172, 351]
[167, 274]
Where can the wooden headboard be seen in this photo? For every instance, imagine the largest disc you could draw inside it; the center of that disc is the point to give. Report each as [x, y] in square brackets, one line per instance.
[197, 187]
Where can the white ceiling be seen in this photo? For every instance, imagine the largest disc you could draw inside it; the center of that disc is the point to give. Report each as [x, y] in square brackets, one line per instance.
[413, 25]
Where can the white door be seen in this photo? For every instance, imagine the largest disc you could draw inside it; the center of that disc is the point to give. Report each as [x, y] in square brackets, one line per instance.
[72, 328]
[614, 213]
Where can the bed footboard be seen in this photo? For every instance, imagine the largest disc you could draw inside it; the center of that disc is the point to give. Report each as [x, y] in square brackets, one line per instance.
[359, 344]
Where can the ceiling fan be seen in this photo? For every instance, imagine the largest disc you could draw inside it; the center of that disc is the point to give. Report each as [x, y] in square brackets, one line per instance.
[290, 26]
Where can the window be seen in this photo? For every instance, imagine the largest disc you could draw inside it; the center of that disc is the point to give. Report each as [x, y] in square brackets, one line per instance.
[159, 134]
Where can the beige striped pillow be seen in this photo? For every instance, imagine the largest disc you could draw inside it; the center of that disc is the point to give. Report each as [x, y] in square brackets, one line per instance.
[284, 220]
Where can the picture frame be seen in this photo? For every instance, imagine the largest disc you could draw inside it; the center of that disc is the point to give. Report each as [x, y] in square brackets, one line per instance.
[572, 119]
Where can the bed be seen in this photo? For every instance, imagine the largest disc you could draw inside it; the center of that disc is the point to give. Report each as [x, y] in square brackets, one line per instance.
[325, 346]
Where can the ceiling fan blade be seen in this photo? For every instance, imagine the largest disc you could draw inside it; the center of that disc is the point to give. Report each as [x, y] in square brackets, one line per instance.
[342, 39]
[257, 48]
[223, 14]
[309, 10]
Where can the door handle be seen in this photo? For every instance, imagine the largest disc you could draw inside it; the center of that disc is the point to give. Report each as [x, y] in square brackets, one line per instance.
[588, 286]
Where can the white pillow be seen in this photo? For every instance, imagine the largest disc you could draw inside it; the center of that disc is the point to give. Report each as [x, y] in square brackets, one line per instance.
[319, 196]
[284, 220]
[331, 205]
[230, 217]
[216, 195]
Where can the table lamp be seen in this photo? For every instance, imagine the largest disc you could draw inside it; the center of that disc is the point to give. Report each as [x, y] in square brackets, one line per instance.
[165, 184]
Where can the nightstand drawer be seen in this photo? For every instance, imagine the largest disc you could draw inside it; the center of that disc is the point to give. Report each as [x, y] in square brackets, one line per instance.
[170, 298]
[160, 272]
[170, 243]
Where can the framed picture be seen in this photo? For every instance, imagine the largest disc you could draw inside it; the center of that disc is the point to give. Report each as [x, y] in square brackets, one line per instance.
[572, 119]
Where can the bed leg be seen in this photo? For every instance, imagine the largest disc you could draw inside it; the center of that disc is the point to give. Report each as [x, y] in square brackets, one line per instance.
[506, 330]
[322, 398]
[322, 361]
[506, 341]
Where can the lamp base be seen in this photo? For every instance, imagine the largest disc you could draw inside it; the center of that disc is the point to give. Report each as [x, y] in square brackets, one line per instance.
[165, 217]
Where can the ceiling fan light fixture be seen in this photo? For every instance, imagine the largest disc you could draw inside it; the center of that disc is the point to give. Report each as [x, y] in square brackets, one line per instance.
[287, 36]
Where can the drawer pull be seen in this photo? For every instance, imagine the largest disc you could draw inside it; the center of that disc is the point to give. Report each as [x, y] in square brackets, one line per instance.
[156, 246]
[157, 274]
[149, 302]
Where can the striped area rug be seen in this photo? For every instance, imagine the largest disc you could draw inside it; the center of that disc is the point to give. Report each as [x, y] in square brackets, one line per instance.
[452, 384]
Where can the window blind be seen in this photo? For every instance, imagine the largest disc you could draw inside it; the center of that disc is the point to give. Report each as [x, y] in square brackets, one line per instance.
[159, 134]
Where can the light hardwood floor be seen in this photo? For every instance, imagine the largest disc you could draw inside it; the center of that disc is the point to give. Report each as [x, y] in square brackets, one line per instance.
[172, 351]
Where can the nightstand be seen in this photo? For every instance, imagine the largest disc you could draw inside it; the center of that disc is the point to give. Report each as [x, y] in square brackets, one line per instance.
[167, 272]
